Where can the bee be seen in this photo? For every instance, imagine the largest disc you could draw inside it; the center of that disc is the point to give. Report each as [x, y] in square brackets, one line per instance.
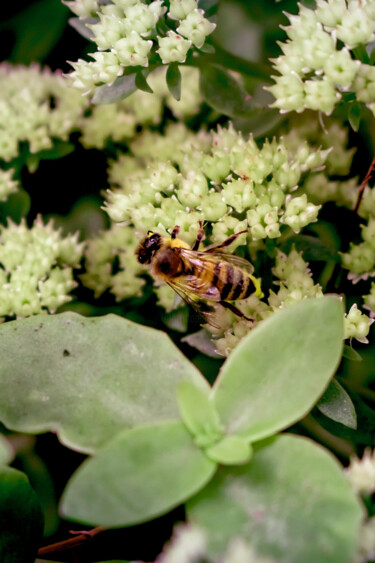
[205, 279]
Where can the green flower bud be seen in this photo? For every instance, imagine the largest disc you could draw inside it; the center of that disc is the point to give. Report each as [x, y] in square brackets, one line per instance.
[364, 83]
[53, 291]
[317, 48]
[289, 93]
[193, 188]
[239, 194]
[85, 75]
[321, 95]
[356, 27]
[141, 18]
[263, 222]
[302, 25]
[288, 175]
[108, 67]
[213, 207]
[340, 68]
[173, 48]
[299, 213]
[107, 31]
[357, 325]
[132, 50]
[330, 13]
[227, 227]
[179, 9]
[368, 233]
[360, 259]
[196, 27]
[319, 189]
[216, 166]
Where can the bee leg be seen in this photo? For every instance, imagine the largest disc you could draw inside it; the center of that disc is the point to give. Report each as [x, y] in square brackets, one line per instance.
[176, 230]
[235, 310]
[200, 235]
[226, 242]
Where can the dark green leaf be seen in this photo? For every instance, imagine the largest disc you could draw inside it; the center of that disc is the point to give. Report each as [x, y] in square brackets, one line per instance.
[223, 92]
[351, 354]
[280, 369]
[16, 206]
[173, 78]
[292, 501]
[354, 115]
[312, 247]
[198, 414]
[37, 30]
[207, 48]
[122, 87]
[21, 521]
[259, 122]
[142, 84]
[139, 475]
[337, 405]
[88, 378]
[80, 25]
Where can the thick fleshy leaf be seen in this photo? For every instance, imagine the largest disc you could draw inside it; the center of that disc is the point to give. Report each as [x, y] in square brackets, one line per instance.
[21, 520]
[223, 92]
[231, 450]
[80, 25]
[292, 502]
[122, 87]
[278, 372]
[351, 354]
[141, 82]
[173, 78]
[337, 405]
[88, 378]
[140, 474]
[198, 414]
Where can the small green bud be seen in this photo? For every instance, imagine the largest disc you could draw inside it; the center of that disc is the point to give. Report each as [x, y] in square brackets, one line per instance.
[107, 31]
[356, 27]
[196, 27]
[321, 95]
[357, 325]
[83, 8]
[227, 227]
[340, 68]
[193, 188]
[141, 18]
[216, 166]
[132, 50]
[8, 186]
[239, 194]
[213, 207]
[289, 92]
[299, 213]
[173, 48]
[179, 9]
[360, 259]
[108, 67]
[330, 13]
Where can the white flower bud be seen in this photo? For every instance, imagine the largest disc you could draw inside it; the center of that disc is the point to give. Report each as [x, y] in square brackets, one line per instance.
[196, 27]
[173, 48]
[179, 9]
[132, 50]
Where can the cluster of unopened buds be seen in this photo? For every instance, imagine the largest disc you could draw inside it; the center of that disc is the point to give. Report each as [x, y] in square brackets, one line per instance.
[319, 61]
[131, 33]
[36, 268]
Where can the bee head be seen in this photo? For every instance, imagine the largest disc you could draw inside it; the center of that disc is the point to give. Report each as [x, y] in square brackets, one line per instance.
[148, 247]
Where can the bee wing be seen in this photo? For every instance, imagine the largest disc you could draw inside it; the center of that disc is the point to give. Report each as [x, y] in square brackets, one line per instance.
[207, 310]
[219, 256]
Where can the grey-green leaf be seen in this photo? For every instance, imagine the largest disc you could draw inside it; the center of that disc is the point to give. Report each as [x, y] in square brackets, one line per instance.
[122, 87]
[292, 501]
[140, 474]
[337, 405]
[88, 378]
[21, 519]
[141, 83]
[6, 451]
[223, 92]
[231, 450]
[80, 25]
[279, 371]
[198, 414]
[173, 78]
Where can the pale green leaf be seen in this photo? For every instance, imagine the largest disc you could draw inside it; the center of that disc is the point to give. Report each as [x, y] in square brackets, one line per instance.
[122, 87]
[88, 378]
[280, 369]
[198, 414]
[292, 502]
[231, 450]
[140, 474]
[337, 405]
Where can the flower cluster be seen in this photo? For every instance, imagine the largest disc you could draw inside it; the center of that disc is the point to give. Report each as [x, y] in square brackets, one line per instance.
[318, 63]
[35, 106]
[118, 243]
[128, 34]
[118, 122]
[35, 268]
[217, 177]
[357, 325]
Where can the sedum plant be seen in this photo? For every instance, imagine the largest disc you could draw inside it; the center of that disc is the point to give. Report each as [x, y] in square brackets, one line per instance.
[262, 426]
